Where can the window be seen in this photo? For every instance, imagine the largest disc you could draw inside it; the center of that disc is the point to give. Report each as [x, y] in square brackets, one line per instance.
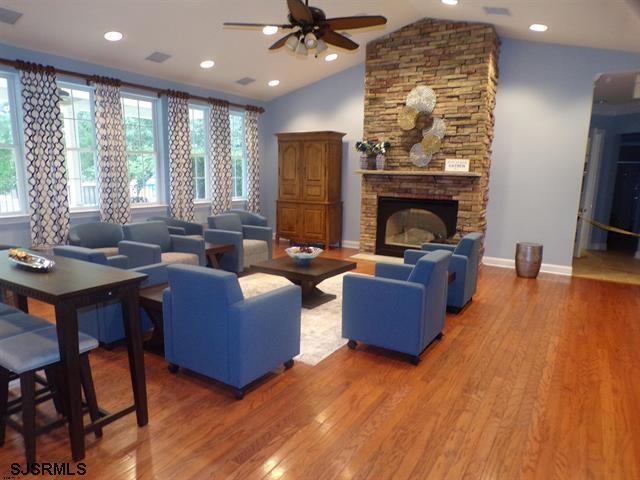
[142, 153]
[76, 104]
[199, 153]
[238, 154]
[10, 195]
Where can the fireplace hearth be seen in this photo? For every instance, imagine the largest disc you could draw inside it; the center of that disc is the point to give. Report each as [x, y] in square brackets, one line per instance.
[405, 223]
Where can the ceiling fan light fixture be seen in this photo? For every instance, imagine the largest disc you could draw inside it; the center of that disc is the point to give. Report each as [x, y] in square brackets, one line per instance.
[321, 47]
[292, 43]
[301, 49]
[310, 41]
[270, 30]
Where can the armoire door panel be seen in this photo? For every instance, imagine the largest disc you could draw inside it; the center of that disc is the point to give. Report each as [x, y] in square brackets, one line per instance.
[313, 222]
[314, 180]
[289, 171]
[288, 220]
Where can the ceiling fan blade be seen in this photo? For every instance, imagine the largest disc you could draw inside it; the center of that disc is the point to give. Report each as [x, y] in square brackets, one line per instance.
[348, 23]
[299, 11]
[338, 40]
[240, 24]
[281, 42]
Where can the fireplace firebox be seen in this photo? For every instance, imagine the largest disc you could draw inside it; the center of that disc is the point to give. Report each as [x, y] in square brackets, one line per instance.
[404, 223]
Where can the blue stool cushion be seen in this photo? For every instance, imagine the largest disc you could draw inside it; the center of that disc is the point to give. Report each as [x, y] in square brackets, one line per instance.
[36, 349]
[18, 323]
[5, 309]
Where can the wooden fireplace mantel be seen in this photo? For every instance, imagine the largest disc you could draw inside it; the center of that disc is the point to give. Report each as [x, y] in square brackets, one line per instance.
[422, 173]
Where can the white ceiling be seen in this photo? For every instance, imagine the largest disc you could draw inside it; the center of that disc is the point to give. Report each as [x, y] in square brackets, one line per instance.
[191, 31]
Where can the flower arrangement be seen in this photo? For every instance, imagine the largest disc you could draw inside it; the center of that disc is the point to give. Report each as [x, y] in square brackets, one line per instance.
[370, 148]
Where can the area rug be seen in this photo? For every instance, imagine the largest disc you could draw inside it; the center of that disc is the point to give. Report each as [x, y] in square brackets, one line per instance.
[376, 258]
[321, 328]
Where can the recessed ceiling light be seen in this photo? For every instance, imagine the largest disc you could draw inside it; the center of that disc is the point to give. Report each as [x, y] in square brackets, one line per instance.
[207, 64]
[331, 57]
[538, 27]
[270, 30]
[450, 2]
[274, 83]
[113, 36]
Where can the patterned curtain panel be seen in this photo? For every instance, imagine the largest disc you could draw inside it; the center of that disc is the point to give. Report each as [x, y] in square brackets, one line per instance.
[220, 142]
[113, 170]
[180, 163]
[44, 155]
[253, 158]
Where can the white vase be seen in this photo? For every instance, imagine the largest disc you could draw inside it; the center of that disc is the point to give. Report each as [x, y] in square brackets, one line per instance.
[381, 162]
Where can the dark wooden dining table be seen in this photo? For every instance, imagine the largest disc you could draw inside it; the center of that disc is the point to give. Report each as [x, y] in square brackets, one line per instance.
[73, 284]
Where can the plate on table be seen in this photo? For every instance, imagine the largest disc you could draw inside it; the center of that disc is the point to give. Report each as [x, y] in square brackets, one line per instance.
[30, 261]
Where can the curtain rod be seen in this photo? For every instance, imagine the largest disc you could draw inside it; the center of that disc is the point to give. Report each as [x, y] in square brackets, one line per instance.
[159, 91]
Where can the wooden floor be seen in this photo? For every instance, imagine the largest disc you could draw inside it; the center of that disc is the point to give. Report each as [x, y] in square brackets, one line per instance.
[608, 265]
[536, 379]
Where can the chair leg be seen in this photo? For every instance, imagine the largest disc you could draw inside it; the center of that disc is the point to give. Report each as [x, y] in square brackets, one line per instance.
[89, 391]
[28, 391]
[4, 399]
[173, 368]
[288, 364]
[54, 384]
[238, 393]
[352, 344]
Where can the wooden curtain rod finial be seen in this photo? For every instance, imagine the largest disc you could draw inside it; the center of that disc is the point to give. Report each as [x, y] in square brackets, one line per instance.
[114, 82]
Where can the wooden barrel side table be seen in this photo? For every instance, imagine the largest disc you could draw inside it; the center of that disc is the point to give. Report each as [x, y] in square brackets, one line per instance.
[528, 259]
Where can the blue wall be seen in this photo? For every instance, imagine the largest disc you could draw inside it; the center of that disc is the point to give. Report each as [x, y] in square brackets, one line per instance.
[16, 230]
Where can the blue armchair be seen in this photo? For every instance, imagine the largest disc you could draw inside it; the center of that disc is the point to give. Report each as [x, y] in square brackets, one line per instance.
[101, 236]
[252, 243]
[250, 218]
[179, 227]
[104, 320]
[150, 242]
[211, 329]
[464, 263]
[402, 308]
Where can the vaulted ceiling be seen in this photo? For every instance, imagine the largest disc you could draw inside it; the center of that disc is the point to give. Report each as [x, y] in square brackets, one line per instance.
[191, 31]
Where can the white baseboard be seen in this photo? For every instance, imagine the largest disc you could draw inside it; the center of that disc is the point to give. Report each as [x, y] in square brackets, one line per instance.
[351, 244]
[511, 263]
[598, 246]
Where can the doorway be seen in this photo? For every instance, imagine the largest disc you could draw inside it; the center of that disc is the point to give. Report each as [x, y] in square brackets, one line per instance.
[607, 243]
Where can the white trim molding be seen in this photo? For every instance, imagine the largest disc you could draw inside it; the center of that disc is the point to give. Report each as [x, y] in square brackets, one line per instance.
[565, 270]
[351, 244]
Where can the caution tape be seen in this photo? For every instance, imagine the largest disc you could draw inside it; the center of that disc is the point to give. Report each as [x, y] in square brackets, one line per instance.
[609, 228]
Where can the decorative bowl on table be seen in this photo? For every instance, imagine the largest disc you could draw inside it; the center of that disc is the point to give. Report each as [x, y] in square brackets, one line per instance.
[29, 261]
[303, 255]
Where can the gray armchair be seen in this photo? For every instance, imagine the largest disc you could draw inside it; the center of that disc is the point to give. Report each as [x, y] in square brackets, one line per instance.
[252, 243]
[150, 242]
[249, 218]
[179, 227]
[101, 236]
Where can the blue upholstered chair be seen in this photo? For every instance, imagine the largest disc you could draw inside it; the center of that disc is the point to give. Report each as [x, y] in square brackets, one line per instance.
[179, 227]
[104, 320]
[150, 242]
[211, 329]
[464, 263]
[100, 236]
[93, 256]
[252, 243]
[249, 218]
[402, 308]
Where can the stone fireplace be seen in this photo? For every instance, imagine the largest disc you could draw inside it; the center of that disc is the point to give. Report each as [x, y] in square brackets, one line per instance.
[408, 223]
[459, 61]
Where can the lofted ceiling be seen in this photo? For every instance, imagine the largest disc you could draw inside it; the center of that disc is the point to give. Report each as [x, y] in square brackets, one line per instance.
[191, 31]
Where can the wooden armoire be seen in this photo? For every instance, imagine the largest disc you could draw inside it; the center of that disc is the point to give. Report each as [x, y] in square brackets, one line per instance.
[309, 207]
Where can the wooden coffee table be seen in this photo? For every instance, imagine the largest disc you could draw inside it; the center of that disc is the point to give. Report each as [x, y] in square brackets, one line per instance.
[306, 277]
[214, 252]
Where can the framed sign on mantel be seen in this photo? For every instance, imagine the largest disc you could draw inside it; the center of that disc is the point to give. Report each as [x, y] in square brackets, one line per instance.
[456, 165]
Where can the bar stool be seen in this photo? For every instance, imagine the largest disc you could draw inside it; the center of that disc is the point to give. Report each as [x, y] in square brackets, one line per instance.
[24, 354]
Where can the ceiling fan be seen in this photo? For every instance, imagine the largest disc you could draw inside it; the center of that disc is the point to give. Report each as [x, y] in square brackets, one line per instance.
[312, 30]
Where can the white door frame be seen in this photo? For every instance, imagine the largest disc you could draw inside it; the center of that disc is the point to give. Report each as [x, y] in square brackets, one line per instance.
[593, 161]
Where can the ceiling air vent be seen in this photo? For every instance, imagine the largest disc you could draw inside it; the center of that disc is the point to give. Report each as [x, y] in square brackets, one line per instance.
[9, 16]
[500, 11]
[158, 57]
[245, 81]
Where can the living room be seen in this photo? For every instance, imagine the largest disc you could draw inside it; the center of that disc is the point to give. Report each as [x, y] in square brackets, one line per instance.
[312, 240]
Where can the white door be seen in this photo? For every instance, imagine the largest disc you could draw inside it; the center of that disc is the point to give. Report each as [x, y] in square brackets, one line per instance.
[593, 159]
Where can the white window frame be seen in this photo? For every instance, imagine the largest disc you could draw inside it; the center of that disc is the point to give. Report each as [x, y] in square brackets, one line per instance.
[241, 113]
[18, 144]
[91, 91]
[207, 152]
[159, 201]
